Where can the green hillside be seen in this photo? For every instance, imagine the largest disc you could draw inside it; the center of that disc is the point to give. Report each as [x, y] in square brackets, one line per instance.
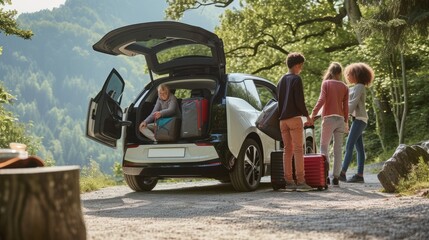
[54, 74]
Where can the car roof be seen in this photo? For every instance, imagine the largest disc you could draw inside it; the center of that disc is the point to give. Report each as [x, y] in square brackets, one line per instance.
[169, 47]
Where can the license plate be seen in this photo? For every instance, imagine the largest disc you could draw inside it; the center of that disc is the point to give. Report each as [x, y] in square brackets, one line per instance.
[166, 152]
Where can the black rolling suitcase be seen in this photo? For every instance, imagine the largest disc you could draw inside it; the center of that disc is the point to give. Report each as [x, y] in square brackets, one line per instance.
[277, 173]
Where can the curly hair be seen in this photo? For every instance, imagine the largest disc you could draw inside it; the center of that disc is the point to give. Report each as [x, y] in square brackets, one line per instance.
[294, 59]
[361, 72]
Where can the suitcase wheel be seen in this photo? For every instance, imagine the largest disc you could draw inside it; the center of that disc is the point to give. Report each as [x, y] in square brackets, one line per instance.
[277, 186]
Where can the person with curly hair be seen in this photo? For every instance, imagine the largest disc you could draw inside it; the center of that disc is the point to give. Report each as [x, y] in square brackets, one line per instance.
[360, 75]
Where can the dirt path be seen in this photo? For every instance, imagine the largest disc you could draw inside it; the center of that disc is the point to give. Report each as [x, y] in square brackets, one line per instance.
[210, 210]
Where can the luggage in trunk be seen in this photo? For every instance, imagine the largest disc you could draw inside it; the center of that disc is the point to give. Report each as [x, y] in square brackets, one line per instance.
[194, 117]
[167, 129]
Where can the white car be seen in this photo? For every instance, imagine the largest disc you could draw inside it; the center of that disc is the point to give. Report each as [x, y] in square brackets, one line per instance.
[189, 60]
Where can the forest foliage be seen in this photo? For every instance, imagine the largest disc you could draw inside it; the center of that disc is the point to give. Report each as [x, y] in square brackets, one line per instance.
[389, 35]
[51, 77]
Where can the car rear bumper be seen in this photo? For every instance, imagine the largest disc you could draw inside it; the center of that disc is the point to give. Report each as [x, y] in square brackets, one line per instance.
[174, 160]
[209, 169]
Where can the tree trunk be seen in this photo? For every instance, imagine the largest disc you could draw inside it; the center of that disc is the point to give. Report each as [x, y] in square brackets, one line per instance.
[405, 92]
[41, 203]
[376, 107]
[354, 14]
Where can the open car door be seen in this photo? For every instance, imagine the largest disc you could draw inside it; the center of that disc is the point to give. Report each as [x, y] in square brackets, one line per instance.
[104, 119]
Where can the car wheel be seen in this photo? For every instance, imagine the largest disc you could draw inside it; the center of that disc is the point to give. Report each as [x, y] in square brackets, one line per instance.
[246, 174]
[140, 183]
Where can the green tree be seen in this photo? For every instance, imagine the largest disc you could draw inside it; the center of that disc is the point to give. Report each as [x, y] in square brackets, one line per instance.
[397, 22]
[10, 129]
[258, 35]
[8, 24]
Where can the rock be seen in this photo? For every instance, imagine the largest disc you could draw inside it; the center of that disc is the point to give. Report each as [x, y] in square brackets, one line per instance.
[389, 176]
[422, 153]
[400, 164]
[425, 146]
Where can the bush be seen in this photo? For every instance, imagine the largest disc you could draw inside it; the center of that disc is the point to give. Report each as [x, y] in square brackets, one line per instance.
[92, 178]
[417, 180]
[118, 175]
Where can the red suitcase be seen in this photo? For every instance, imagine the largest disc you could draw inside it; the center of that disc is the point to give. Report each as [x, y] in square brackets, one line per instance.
[315, 165]
[316, 170]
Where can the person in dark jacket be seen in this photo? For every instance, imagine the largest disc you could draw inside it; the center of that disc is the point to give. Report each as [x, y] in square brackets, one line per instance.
[292, 108]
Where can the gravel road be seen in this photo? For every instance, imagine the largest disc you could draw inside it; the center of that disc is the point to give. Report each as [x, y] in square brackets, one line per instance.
[211, 210]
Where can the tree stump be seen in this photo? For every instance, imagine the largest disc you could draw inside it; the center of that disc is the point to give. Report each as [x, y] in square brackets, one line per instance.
[41, 203]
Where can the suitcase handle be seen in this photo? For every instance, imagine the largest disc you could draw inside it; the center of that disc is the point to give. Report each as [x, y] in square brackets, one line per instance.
[312, 126]
[314, 139]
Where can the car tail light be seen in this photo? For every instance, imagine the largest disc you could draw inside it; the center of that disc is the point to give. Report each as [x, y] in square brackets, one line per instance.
[132, 146]
[202, 144]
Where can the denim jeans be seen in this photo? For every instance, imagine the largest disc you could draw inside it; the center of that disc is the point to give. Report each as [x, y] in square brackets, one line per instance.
[333, 126]
[355, 138]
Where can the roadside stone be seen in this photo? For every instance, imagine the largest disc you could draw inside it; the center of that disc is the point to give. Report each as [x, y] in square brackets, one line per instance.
[424, 154]
[400, 165]
[389, 176]
[425, 146]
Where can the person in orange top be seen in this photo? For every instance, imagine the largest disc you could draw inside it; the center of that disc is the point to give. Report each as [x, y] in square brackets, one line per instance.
[333, 100]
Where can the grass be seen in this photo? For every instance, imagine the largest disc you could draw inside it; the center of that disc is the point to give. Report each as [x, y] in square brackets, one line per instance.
[416, 182]
[91, 177]
[89, 183]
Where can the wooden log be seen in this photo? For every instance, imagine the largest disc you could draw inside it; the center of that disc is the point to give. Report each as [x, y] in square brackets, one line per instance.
[41, 203]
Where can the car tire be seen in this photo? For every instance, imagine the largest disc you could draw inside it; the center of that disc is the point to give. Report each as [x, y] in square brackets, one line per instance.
[140, 183]
[247, 171]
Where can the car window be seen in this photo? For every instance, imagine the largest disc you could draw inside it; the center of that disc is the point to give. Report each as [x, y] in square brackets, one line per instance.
[253, 96]
[182, 93]
[265, 94]
[187, 50]
[114, 88]
[237, 89]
